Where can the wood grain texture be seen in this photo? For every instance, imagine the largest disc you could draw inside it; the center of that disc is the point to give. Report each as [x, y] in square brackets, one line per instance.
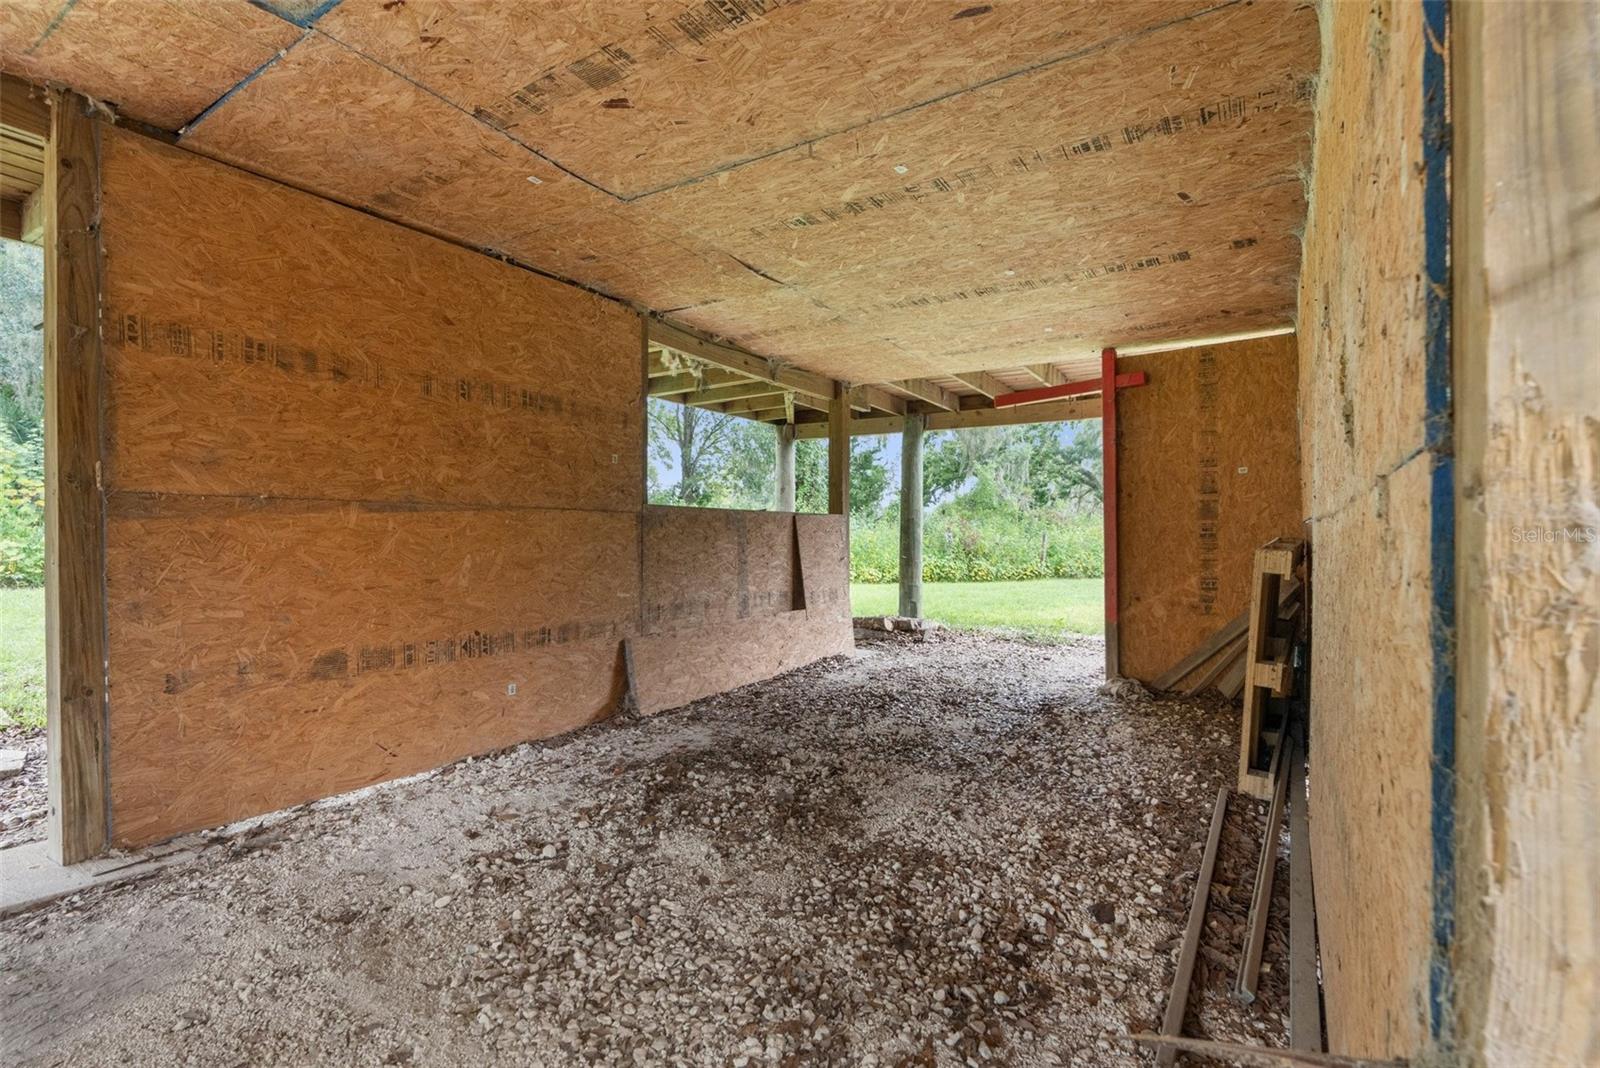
[1367, 491]
[75, 536]
[1527, 263]
[704, 566]
[675, 669]
[1209, 470]
[158, 63]
[263, 341]
[267, 653]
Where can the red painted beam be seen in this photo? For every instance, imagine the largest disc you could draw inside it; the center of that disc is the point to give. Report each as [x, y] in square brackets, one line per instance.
[1067, 389]
[1108, 445]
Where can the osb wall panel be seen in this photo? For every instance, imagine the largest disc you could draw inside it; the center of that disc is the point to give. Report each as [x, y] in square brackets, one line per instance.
[373, 499]
[262, 341]
[704, 565]
[1362, 410]
[264, 655]
[1528, 412]
[792, 155]
[1371, 692]
[1208, 469]
[678, 661]
[160, 63]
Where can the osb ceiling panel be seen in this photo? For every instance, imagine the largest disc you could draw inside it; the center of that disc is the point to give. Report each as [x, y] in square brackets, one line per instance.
[874, 192]
[158, 61]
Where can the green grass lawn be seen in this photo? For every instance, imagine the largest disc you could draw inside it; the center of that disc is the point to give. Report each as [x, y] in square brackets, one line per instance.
[1044, 608]
[22, 658]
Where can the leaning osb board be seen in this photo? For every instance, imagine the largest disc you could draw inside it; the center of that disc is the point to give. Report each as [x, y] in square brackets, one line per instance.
[673, 669]
[1208, 470]
[708, 565]
[890, 190]
[161, 63]
[262, 341]
[825, 564]
[266, 653]
[1362, 410]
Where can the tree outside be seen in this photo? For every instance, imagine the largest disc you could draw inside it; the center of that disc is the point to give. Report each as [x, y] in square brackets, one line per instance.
[21, 414]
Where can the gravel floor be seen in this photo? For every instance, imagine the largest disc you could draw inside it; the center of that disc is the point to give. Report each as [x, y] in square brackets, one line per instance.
[931, 853]
[23, 797]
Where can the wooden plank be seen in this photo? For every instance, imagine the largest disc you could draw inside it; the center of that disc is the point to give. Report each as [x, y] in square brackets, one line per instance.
[1183, 974]
[1260, 1055]
[33, 217]
[839, 453]
[11, 218]
[24, 106]
[871, 398]
[1305, 992]
[1209, 648]
[723, 394]
[1033, 413]
[1232, 653]
[1261, 897]
[676, 668]
[1069, 389]
[75, 550]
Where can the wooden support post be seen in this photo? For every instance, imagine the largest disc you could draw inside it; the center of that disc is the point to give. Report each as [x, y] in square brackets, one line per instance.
[839, 451]
[786, 467]
[911, 518]
[75, 604]
[1108, 445]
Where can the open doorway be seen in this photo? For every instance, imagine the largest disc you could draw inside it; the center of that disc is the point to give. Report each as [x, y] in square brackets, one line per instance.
[24, 805]
[1012, 528]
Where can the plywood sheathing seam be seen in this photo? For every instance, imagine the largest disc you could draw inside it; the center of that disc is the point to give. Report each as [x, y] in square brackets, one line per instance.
[383, 109]
[159, 63]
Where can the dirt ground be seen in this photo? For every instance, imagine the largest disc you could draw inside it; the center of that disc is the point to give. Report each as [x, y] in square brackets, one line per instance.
[930, 853]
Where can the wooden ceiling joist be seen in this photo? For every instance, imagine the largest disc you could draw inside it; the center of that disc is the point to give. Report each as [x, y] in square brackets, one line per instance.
[984, 382]
[811, 427]
[927, 392]
[723, 394]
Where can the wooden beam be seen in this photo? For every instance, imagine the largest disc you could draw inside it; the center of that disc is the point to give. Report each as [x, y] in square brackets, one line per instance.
[24, 106]
[736, 359]
[871, 398]
[759, 403]
[927, 392]
[1046, 374]
[1032, 413]
[839, 453]
[724, 394]
[75, 601]
[911, 518]
[984, 383]
[11, 219]
[1069, 389]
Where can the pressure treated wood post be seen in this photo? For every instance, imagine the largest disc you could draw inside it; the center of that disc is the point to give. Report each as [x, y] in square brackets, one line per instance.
[74, 510]
[911, 517]
[839, 451]
[786, 467]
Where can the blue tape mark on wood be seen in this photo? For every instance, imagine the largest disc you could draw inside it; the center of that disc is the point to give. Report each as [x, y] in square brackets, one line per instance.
[1439, 440]
[225, 97]
[303, 13]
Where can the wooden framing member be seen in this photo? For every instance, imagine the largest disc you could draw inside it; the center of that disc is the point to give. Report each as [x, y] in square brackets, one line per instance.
[1261, 894]
[734, 359]
[1183, 975]
[75, 596]
[839, 452]
[812, 427]
[1045, 374]
[1305, 993]
[927, 392]
[985, 383]
[724, 394]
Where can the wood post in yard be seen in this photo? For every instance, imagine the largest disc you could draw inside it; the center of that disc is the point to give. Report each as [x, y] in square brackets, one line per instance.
[786, 467]
[911, 518]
